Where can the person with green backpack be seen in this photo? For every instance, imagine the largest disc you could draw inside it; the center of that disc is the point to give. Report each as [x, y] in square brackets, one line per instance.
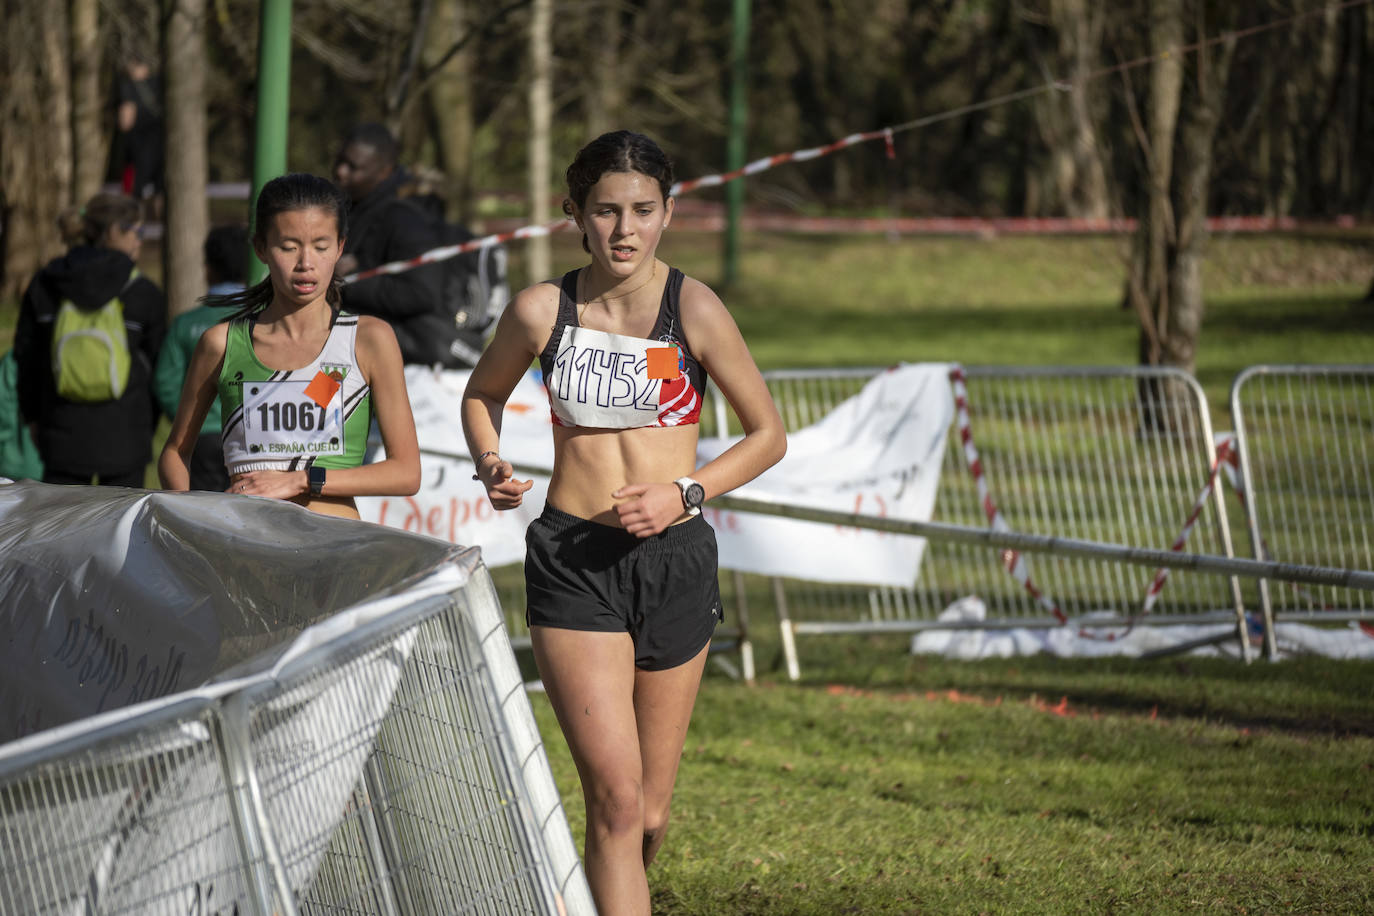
[90, 327]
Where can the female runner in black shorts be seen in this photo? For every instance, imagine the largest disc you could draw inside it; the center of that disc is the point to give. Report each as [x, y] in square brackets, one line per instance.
[620, 569]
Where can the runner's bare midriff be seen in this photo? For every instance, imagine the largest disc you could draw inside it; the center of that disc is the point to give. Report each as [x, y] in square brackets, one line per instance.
[591, 464]
[340, 506]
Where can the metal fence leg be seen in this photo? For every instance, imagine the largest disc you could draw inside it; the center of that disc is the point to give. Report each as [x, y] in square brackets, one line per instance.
[1271, 643]
[746, 647]
[789, 636]
[256, 842]
[382, 847]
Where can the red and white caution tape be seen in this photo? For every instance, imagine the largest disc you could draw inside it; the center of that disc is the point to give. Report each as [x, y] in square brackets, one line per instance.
[682, 187]
[816, 152]
[449, 251]
[1013, 560]
[1237, 481]
[1225, 448]
[768, 162]
[1225, 456]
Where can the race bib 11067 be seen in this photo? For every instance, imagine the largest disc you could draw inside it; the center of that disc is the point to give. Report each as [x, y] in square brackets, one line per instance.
[281, 420]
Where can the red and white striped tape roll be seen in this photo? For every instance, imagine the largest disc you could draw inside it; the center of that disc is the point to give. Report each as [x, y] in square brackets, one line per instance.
[1013, 560]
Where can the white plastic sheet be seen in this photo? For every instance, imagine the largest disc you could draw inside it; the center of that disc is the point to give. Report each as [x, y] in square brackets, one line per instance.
[1349, 641]
[112, 596]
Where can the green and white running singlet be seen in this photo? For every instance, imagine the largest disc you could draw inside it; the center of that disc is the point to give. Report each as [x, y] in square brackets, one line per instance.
[287, 420]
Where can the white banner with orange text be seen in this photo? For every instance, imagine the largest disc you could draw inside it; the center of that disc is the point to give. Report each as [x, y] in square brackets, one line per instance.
[879, 453]
[451, 505]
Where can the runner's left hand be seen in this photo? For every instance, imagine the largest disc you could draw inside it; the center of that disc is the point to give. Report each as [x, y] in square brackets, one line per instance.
[648, 508]
[273, 484]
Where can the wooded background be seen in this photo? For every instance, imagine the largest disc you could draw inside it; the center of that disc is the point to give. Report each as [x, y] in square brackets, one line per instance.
[1164, 110]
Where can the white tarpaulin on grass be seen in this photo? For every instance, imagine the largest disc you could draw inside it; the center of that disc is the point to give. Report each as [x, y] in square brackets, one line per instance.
[878, 453]
[1350, 641]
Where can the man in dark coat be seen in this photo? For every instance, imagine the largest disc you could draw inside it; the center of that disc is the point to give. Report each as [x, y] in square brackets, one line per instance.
[382, 228]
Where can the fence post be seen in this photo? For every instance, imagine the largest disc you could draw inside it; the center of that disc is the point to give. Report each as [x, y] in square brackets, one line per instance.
[1247, 485]
[253, 828]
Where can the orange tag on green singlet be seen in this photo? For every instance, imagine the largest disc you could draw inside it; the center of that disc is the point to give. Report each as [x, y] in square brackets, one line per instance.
[663, 362]
[321, 389]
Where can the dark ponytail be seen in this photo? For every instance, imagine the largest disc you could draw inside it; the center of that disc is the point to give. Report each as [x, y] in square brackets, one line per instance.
[284, 194]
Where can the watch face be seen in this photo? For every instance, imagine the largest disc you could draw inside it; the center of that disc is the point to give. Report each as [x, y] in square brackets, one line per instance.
[694, 495]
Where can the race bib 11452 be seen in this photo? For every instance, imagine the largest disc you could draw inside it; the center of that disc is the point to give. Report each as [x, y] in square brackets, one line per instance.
[602, 380]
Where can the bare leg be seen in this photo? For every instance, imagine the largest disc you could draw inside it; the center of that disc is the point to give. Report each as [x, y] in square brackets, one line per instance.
[590, 679]
[663, 702]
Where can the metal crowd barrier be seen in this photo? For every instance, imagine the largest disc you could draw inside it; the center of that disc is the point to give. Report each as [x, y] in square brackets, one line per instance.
[1306, 443]
[1110, 455]
[385, 760]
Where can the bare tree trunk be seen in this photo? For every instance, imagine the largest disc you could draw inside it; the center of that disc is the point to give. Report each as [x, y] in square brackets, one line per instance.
[88, 133]
[35, 179]
[1079, 177]
[450, 103]
[1149, 287]
[59, 98]
[603, 97]
[1283, 161]
[1179, 345]
[1149, 283]
[541, 122]
[188, 217]
[1321, 164]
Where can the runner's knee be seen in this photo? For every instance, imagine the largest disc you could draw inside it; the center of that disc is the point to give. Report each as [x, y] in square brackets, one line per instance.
[655, 823]
[617, 808]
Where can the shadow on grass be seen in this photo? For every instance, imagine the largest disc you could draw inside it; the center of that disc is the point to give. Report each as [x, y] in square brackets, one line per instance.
[1303, 696]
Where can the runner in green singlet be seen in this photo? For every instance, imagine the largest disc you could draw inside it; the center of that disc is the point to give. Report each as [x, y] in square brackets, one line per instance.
[299, 379]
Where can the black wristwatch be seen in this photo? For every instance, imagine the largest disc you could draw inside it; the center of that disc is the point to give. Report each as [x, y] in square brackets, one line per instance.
[693, 494]
[316, 477]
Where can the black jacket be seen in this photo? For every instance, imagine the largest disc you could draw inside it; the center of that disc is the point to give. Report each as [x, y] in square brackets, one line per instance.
[104, 438]
[383, 228]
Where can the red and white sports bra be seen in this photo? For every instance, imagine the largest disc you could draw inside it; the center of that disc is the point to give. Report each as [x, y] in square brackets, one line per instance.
[610, 381]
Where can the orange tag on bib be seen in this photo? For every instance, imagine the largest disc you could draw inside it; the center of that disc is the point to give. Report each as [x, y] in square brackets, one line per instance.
[663, 362]
[321, 389]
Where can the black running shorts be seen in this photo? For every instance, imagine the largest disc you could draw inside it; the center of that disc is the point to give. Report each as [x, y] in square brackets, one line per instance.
[662, 590]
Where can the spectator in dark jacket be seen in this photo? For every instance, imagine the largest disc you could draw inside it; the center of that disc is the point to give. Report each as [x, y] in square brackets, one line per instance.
[382, 228]
[110, 439]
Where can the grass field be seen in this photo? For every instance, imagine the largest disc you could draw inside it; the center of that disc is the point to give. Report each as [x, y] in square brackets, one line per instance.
[1026, 786]
[891, 784]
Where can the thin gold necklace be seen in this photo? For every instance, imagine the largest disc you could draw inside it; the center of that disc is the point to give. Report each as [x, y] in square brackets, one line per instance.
[586, 302]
